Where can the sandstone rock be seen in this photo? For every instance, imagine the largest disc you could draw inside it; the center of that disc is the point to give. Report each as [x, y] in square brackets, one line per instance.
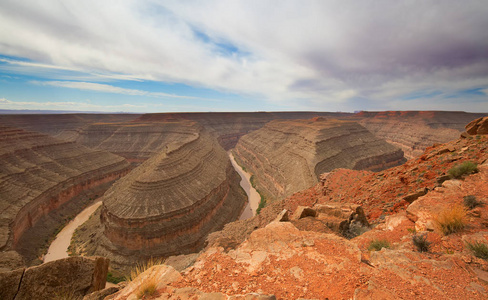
[283, 216]
[340, 217]
[414, 196]
[414, 131]
[162, 275]
[40, 173]
[10, 260]
[170, 203]
[302, 212]
[9, 283]
[75, 276]
[100, 295]
[288, 156]
[478, 126]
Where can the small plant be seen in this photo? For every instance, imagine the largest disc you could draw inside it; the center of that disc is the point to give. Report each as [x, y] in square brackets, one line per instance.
[141, 267]
[451, 220]
[114, 279]
[479, 249]
[462, 169]
[420, 241]
[377, 245]
[147, 288]
[471, 202]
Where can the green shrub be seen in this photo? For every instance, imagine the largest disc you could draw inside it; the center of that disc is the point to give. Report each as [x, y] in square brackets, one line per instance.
[462, 169]
[262, 204]
[114, 279]
[420, 241]
[451, 220]
[479, 249]
[471, 202]
[377, 245]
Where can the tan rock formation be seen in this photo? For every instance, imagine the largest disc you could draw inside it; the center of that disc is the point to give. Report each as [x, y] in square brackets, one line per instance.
[136, 141]
[68, 278]
[39, 173]
[170, 202]
[287, 156]
[478, 126]
[414, 131]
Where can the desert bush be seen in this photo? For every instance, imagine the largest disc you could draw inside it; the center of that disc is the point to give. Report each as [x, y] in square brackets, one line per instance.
[114, 279]
[462, 169]
[147, 288]
[420, 241]
[471, 202]
[141, 267]
[479, 249]
[451, 220]
[377, 245]
[355, 229]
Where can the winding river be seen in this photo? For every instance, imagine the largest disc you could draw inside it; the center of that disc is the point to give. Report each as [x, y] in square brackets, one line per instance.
[59, 247]
[252, 195]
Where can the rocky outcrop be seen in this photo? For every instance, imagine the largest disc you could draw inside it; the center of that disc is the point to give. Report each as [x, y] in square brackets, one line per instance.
[478, 126]
[414, 131]
[170, 202]
[136, 141]
[287, 156]
[38, 174]
[68, 278]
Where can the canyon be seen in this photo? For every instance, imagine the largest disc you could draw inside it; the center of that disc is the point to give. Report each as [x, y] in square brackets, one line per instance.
[167, 183]
[286, 156]
[39, 174]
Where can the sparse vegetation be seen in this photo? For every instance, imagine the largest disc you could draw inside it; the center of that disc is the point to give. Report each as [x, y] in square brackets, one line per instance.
[451, 220]
[377, 245]
[141, 267]
[262, 204]
[355, 229]
[420, 241]
[463, 169]
[471, 202]
[147, 289]
[479, 249]
[114, 279]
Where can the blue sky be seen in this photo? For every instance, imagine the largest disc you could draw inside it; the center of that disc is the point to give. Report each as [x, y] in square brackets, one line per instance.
[165, 56]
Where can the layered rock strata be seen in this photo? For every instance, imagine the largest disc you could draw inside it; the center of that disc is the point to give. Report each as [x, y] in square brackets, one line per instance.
[414, 131]
[39, 173]
[136, 141]
[230, 127]
[169, 203]
[287, 156]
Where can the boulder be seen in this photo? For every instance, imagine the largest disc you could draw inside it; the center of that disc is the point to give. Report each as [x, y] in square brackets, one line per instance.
[414, 196]
[302, 212]
[478, 126]
[339, 216]
[72, 276]
[9, 283]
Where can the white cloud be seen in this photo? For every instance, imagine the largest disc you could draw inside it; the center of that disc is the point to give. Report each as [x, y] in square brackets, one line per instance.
[292, 52]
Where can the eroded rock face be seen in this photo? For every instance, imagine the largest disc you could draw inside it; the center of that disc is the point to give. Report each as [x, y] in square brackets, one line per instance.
[136, 141]
[39, 173]
[414, 131]
[478, 126]
[171, 202]
[65, 278]
[287, 156]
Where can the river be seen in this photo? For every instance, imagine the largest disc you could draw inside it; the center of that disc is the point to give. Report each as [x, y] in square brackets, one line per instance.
[253, 196]
[59, 247]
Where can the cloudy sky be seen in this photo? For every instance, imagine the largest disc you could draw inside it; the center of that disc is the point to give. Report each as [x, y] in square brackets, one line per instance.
[249, 55]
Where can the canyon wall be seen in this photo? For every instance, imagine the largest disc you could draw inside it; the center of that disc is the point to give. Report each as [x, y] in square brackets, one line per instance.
[62, 126]
[169, 203]
[287, 156]
[136, 141]
[229, 127]
[414, 131]
[39, 173]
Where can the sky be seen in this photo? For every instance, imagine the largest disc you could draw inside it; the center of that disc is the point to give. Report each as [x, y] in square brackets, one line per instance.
[249, 55]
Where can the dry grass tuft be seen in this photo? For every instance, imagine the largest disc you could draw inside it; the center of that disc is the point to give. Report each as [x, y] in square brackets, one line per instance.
[451, 220]
[147, 289]
[377, 245]
[141, 267]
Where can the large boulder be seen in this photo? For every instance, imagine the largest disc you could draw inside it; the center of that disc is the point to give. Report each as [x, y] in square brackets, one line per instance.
[68, 277]
[478, 126]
